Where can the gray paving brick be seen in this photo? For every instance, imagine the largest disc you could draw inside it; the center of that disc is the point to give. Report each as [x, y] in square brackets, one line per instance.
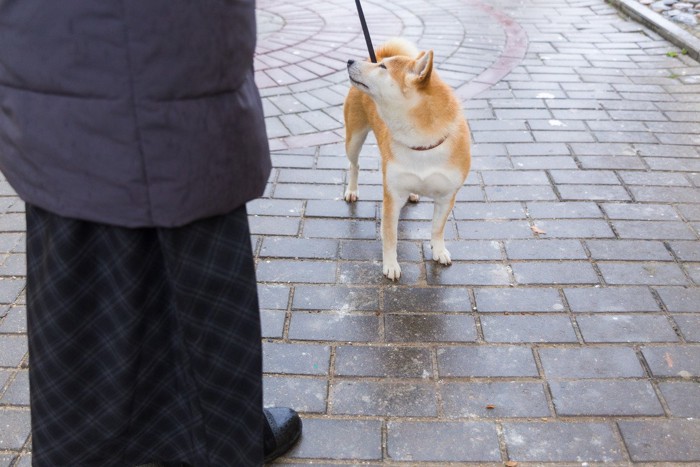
[515, 328]
[339, 439]
[340, 229]
[650, 212]
[309, 297]
[494, 229]
[358, 210]
[360, 250]
[486, 361]
[595, 362]
[273, 296]
[12, 350]
[296, 271]
[604, 398]
[662, 440]
[333, 327]
[575, 228]
[654, 230]
[686, 250]
[592, 193]
[442, 441]
[16, 428]
[301, 359]
[562, 442]
[626, 328]
[646, 273]
[564, 210]
[518, 300]
[467, 250]
[520, 193]
[665, 194]
[10, 288]
[488, 211]
[15, 321]
[544, 249]
[628, 250]
[453, 299]
[568, 272]
[272, 323]
[689, 326]
[683, 398]
[17, 394]
[303, 394]
[429, 328]
[469, 274]
[390, 399]
[282, 247]
[494, 400]
[393, 362]
[611, 299]
[681, 360]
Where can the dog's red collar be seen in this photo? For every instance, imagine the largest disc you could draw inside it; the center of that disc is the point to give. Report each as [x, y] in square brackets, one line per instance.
[427, 148]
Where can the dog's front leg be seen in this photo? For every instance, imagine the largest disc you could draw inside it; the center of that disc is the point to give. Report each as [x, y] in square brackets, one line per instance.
[441, 212]
[391, 209]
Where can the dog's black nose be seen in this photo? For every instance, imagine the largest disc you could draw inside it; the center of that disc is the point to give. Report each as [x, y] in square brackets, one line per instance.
[350, 62]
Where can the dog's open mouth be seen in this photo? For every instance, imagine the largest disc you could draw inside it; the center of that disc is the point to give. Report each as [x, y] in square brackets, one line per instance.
[359, 83]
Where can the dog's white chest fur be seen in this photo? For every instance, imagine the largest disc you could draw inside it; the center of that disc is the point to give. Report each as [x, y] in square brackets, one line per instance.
[426, 173]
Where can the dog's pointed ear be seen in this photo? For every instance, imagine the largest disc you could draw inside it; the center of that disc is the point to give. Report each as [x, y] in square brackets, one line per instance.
[423, 67]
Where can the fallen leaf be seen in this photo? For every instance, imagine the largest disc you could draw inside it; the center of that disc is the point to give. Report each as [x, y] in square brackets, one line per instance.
[490, 406]
[511, 464]
[536, 230]
[669, 359]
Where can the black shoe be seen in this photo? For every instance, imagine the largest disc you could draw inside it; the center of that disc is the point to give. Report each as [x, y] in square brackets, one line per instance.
[281, 431]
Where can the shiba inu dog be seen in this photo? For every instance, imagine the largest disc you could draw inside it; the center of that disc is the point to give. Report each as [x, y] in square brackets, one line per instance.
[422, 134]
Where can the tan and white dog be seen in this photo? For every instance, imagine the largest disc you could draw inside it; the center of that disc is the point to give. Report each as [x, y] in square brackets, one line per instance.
[422, 134]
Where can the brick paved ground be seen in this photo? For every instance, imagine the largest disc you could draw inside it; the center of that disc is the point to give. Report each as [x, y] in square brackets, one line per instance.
[577, 344]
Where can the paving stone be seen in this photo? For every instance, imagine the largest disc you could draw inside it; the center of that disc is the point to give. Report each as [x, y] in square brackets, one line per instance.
[301, 359]
[628, 250]
[267, 225]
[592, 193]
[299, 248]
[358, 210]
[689, 326]
[15, 321]
[429, 328]
[626, 328]
[333, 327]
[653, 230]
[16, 428]
[272, 323]
[452, 299]
[518, 300]
[392, 362]
[273, 296]
[360, 250]
[296, 271]
[569, 272]
[389, 399]
[544, 249]
[681, 360]
[647, 273]
[486, 361]
[340, 229]
[564, 210]
[10, 288]
[17, 394]
[667, 194]
[584, 177]
[686, 251]
[442, 441]
[611, 299]
[514, 328]
[520, 193]
[662, 440]
[562, 442]
[339, 439]
[303, 394]
[494, 229]
[488, 211]
[575, 228]
[595, 362]
[309, 297]
[12, 350]
[494, 400]
[469, 274]
[649, 212]
[604, 398]
[683, 398]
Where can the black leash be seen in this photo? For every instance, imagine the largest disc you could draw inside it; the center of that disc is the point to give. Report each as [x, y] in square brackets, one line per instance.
[366, 32]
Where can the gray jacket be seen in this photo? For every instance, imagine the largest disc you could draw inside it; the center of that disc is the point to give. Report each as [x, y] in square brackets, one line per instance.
[136, 113]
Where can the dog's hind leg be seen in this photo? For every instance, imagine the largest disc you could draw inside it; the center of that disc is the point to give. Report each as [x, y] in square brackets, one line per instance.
[441, 212]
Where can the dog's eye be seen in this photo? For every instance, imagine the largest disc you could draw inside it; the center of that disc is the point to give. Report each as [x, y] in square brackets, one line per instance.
[381, 65]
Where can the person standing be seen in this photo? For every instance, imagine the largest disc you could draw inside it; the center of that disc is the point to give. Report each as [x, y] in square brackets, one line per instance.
[134, 133]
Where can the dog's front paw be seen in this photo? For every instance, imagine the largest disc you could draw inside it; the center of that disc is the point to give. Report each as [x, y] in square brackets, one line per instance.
[392, 270]
[442, 256]
[350, 196]
[414, 198]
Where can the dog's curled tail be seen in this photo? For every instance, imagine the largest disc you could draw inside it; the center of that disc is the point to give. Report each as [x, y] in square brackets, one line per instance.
[396, 46]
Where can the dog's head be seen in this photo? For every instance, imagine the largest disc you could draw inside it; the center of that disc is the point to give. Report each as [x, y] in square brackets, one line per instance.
[393, 81]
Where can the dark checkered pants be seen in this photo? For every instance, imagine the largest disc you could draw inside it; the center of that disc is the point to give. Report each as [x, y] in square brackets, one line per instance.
[144, 343]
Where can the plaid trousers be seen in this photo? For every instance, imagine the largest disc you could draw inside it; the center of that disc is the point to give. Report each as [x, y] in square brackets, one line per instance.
[144, 343]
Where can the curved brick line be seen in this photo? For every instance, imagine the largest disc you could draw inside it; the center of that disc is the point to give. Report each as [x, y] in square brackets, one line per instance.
[512, 55]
